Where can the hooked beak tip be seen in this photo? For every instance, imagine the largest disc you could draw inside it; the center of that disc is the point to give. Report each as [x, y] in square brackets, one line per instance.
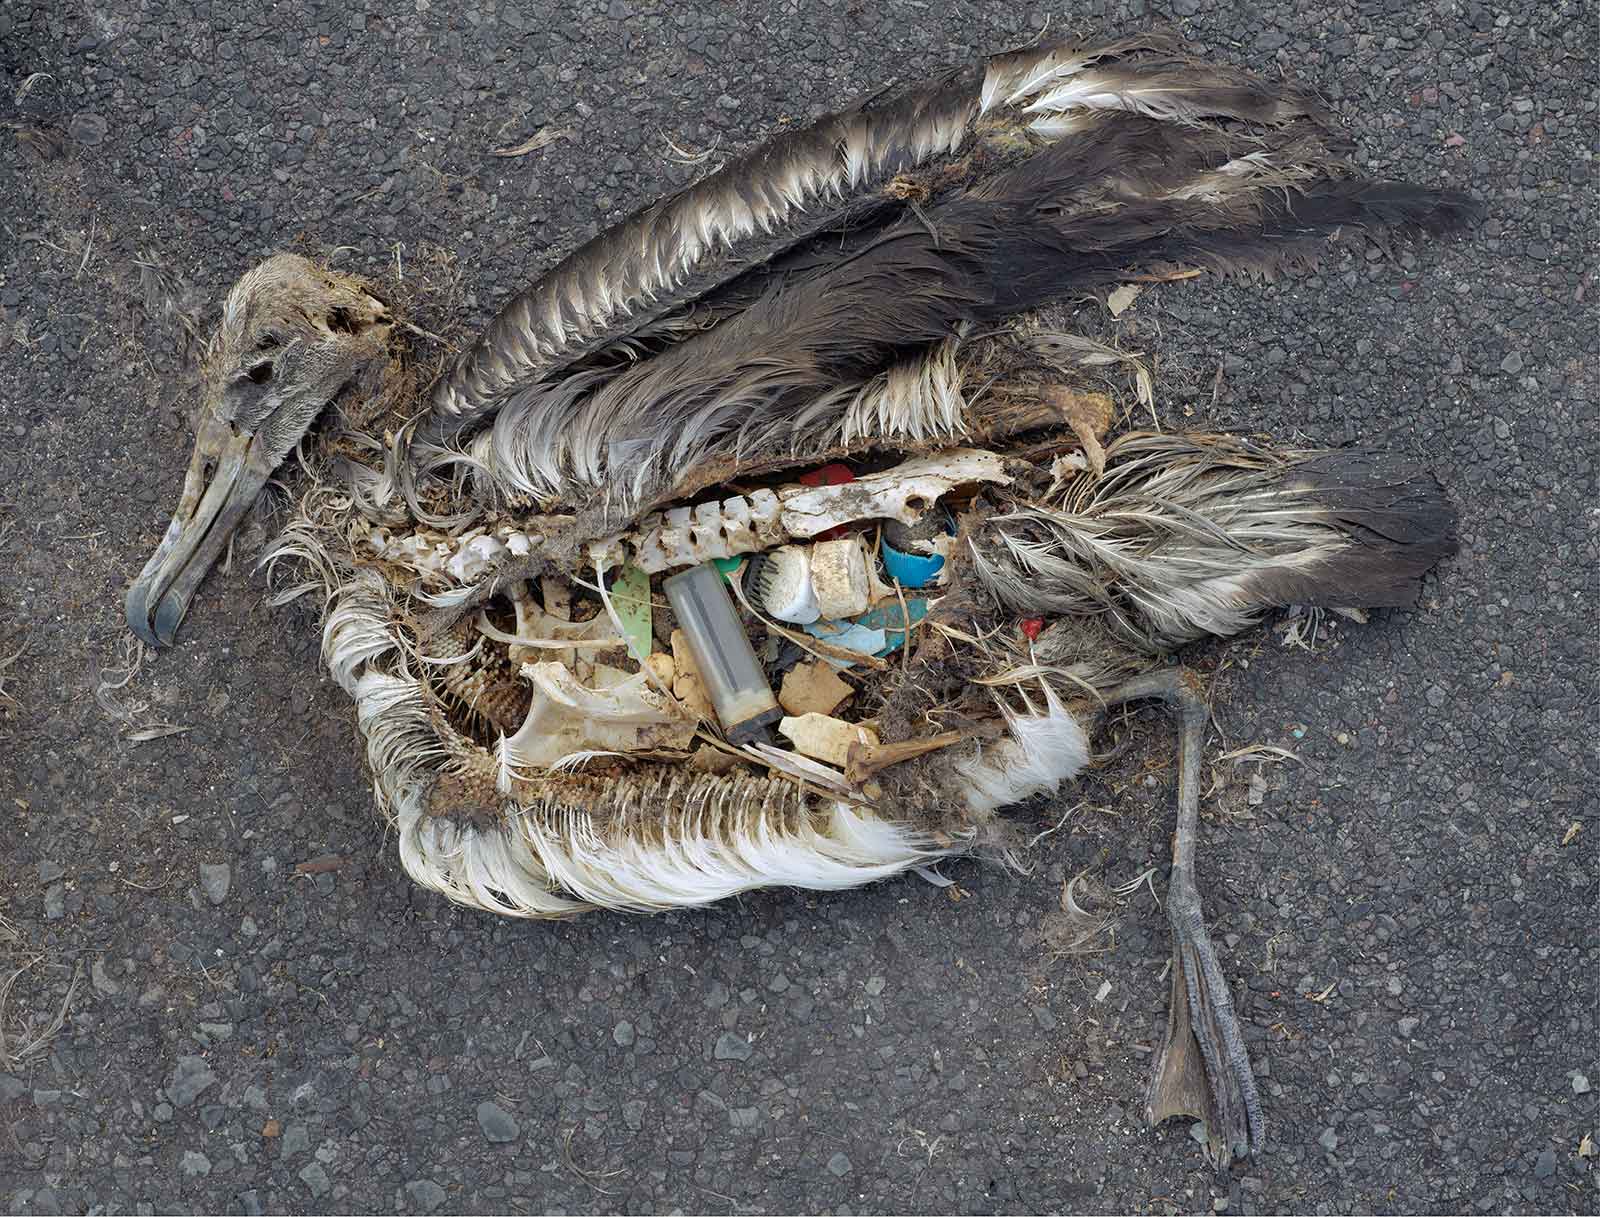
[168, 615]
[136, 611]
[223, 481]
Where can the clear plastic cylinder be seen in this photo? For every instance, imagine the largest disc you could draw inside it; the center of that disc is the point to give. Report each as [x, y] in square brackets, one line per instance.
[721, 649]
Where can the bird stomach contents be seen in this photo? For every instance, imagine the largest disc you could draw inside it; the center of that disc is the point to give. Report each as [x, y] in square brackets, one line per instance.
[751, 627]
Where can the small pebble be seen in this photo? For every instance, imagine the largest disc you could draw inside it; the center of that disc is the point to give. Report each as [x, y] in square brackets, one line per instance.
[731, 1047]
[315, 1178]
[88, 129]
[215, 879]
[425, 1194]
[497, 1125]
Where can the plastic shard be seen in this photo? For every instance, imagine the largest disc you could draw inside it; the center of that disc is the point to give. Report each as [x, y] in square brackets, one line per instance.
[813, 688]
[824, 738]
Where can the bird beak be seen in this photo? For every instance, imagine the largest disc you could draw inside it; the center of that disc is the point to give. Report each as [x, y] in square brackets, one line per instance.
[225, 475]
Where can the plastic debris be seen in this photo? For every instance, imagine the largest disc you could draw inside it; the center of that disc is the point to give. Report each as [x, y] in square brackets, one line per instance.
[823, 738]
[630, 600]
[687, 686]
[813, 688]
[662, 669]
[849, 636]
[833, 474]
[911, 570]
[839, 577]
[889, 619]
[1031, 627]
[729, 669]
[784, 585]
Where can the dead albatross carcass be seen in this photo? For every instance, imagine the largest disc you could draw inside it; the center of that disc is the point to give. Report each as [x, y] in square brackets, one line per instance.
[771, 539]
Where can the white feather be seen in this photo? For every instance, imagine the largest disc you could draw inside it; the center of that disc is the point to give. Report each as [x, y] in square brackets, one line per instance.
[1044, 750]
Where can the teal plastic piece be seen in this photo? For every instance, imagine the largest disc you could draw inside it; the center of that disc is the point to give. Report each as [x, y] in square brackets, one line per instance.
[912, 570]
[889, 619]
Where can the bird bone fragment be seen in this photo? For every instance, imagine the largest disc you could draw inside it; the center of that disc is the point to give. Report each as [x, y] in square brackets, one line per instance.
[686, 536]
[615, 715]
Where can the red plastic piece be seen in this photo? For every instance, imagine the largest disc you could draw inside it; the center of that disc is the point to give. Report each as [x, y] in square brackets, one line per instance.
[829, 475]
[1031, 627]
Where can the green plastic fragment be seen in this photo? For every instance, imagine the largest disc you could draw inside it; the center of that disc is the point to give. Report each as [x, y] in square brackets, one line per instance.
[630, 598]
[726, 566]
[889, 619]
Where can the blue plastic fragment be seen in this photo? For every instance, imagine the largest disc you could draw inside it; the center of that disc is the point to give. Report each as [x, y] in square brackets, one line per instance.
[877, 632]
[913, 570]
[849, 635]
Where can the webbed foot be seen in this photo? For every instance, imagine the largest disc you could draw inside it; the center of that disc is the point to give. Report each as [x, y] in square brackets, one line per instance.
[1202, 1069]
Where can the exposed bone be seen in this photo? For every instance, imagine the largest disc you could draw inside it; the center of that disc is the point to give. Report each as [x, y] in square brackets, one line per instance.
[558, 604]
[541, 636]
[867, 759]
[566, 718]
[459, 560]
[684, 536]
[1089, 415]
[902, 493]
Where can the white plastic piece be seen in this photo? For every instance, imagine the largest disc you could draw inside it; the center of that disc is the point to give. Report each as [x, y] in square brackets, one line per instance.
[786, 588]
[839, 578]
[823, 738]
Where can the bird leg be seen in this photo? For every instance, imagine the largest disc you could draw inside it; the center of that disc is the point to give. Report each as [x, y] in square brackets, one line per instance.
[1202, 1069]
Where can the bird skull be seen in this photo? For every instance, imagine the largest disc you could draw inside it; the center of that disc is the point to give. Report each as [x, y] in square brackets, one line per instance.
[292, 336]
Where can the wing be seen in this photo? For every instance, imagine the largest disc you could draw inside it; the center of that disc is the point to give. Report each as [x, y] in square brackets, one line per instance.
[807, 297]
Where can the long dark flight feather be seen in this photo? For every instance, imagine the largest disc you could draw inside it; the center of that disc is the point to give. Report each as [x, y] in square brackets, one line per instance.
[1125, 191]
[847, 169]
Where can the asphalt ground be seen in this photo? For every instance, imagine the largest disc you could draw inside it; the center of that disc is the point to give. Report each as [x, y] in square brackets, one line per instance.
[1409, 913]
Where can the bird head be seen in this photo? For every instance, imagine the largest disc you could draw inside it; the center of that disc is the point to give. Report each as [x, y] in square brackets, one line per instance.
[292, 336]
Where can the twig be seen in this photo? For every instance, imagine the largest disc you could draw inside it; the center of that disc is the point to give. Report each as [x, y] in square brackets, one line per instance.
[88, 249]
[588, 1177]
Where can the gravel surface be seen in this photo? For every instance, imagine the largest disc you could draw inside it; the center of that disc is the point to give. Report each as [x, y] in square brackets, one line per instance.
[1411, 923]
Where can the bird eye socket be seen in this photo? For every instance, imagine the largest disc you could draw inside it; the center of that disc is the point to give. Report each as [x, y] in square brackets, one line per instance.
[260, 374]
